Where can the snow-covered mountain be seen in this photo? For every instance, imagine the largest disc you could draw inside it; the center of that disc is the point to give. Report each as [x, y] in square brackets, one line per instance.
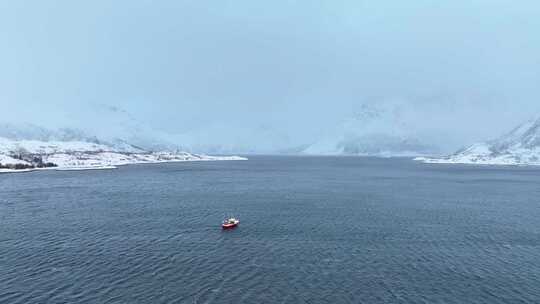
[521, 146]
[77, 155]
[28, 147]
[117, 127]
[26, 132]
[374, 131]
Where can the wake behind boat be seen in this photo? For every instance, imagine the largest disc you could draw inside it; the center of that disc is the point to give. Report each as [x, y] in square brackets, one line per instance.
[230, 223]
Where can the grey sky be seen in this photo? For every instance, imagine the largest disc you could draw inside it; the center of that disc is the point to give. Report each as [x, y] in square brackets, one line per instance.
[470, 69]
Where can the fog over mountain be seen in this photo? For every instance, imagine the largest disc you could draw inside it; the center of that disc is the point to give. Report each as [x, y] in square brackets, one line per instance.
[270, 77]
[380, 130]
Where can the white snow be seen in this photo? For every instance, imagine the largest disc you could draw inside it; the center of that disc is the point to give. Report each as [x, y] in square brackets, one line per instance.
[80, 155]
[112, 159]
[521, 146]
[5, 159]
[14, 170]
[47, 147]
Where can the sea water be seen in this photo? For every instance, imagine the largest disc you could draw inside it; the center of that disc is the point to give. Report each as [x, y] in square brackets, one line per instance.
[313, 230]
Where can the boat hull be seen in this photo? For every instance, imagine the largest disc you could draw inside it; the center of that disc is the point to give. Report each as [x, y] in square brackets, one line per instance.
[228, 226]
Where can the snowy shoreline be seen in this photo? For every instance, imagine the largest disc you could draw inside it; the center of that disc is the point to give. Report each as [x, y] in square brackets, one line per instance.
[484, 162]
[203, 158]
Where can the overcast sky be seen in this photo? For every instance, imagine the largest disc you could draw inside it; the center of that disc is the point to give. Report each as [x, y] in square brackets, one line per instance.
[470, 68]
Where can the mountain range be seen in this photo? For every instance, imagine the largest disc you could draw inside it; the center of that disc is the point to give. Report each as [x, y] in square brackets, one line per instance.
[27, 147]
[520, 146]
[384, 130]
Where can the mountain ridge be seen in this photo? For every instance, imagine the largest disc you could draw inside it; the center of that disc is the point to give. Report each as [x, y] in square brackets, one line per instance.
[520, 146]
[29, 147]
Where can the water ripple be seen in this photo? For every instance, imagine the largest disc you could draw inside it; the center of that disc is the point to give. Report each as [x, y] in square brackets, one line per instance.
[335, 230]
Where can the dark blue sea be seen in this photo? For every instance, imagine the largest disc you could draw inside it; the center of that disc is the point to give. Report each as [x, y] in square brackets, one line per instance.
[313, 230]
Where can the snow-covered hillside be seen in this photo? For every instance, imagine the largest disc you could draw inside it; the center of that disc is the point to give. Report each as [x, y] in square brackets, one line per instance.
[374, 131]
[34, 136]
[118, 126]
[521, 146]
[24, 154]
[8, 146]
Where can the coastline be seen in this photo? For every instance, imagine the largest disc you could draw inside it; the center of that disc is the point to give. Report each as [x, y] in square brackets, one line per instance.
[488, 162]
[115, 166]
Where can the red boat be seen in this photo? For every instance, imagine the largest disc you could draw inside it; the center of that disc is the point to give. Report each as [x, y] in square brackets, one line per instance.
[230, 223]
